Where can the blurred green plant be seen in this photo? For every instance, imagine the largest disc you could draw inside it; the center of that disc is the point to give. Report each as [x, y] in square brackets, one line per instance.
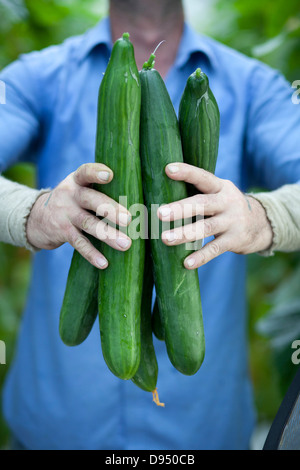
[268, 31]
[281, 326]
[28, 25]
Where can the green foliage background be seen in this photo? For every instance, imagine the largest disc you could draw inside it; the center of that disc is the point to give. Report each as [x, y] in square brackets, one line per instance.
[268, 30]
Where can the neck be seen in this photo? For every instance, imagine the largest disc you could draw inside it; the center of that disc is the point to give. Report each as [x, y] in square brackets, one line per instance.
[149, 23]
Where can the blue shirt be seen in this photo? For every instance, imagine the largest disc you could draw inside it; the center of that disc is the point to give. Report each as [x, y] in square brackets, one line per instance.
[57, 397]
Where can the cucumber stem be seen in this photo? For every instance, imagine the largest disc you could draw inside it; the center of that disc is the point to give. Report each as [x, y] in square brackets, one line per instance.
[156, 398]
[150, 63]
[158, 46]
[198, 73]
[126, 36]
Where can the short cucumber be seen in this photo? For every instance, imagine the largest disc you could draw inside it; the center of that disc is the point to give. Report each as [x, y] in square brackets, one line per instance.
[199, 122]
[117, 146]
[177, 288]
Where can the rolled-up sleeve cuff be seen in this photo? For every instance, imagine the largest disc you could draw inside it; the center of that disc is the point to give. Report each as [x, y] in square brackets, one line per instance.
[16, 204]
[283, 212]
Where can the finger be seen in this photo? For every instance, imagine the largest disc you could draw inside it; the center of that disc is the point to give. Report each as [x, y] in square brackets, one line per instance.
[210, 251]
[86, 249]
[102, 205]
[90, 173]
[99, 229]
[201, 204]
[197, 231]
[203, 180]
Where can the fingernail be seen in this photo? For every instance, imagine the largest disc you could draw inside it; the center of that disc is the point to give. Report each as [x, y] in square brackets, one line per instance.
[190, 262]
[103, 175]
[165, 211]
[170, 236]
[173, 168]
[123, 242]
[101, 262]
[124, 219]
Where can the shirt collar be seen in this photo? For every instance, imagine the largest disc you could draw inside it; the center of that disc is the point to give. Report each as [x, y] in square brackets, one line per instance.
[191, 43]
[99, 34]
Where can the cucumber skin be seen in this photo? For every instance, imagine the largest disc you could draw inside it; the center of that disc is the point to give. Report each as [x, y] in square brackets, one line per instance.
[177, 288]
[157, 326]
[117, 146]
[199, 124]
[80, 304]
[146, 375]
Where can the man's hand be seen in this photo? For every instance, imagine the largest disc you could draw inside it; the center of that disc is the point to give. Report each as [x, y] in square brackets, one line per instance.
[63, 215]
[237, 222]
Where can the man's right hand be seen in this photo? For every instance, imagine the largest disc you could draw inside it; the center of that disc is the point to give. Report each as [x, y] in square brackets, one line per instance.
[63, 215]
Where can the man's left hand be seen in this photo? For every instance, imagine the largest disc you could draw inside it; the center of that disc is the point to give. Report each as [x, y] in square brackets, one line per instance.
[237, 221]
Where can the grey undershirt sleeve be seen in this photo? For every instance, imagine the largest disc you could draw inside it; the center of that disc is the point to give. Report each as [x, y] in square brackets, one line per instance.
[16, 202]
[282, 207]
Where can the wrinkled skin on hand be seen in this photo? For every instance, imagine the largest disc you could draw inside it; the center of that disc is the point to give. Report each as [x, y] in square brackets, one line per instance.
[238, 222]
[70, 212]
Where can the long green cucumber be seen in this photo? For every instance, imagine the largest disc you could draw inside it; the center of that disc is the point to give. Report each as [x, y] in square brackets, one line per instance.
[80, 305]
[177, 288]
[199, 124]
[117, 146]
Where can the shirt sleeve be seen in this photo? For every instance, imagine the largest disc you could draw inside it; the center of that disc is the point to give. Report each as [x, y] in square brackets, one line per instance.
[282, 207]
[16, 203]
[19, 115]
[272, 136]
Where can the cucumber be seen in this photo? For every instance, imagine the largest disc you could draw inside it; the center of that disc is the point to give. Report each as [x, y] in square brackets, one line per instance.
[117, 146]
[157, 326]
[199, 123]
[146, 375]
[177, 288]
[80, 304]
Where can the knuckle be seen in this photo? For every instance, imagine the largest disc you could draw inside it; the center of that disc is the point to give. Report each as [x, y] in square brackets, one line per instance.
[102, 231]
[208, 226]
[202, 199]
[223, 199]
[105, 209]
[228, 183]
[81, 169]
[198, 204]
[81, 244]
[87, 222]
[71, 234]
[201, 258]
[66, 186]
[82, 196]
[215, 248]
[81, 173]
[229, 188]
